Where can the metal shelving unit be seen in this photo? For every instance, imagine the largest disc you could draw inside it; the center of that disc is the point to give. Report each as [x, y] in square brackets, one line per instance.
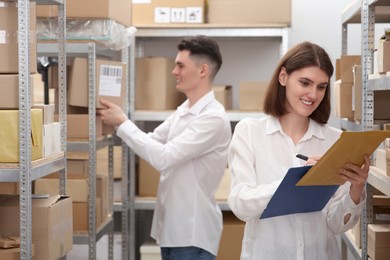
[367, 13]
[156, 33]
[27, 170]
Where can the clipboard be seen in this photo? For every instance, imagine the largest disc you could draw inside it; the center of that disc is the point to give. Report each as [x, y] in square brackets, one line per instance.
[290, 199]
[350, 147]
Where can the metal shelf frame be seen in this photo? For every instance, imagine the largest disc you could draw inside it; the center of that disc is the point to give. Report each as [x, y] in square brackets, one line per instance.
[367, 13]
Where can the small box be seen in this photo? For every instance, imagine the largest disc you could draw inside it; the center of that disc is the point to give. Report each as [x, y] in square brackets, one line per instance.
[155, 86]
[148, 179]
[383, 56]
[9, 135]
[344, 67]
[343, 100]
[78, 126]
[150, 251]
[249, 12]
[110, 82]
[102, 161]
[118, 10]
[9, 91]
[9, 49]
[80, 215]
[168, 11]
[9, 188]
[378, 244]
[224, 95]
[252, 95]
[47, 112]
[52, 233]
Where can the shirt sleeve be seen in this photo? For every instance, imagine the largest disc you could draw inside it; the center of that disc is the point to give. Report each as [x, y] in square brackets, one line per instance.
[247, 199]
[201, 136]
[341, 205]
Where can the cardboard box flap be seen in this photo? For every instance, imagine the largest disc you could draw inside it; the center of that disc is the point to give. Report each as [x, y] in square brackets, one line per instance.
[45, 201]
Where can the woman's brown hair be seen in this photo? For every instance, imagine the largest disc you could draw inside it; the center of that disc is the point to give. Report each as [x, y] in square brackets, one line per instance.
[305, 54]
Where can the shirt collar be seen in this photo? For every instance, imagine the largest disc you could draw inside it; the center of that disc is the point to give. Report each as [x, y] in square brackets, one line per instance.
[198, 106]
[315, 129]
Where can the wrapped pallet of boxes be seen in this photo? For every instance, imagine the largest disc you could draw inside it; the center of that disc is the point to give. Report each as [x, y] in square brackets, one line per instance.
[52, 233]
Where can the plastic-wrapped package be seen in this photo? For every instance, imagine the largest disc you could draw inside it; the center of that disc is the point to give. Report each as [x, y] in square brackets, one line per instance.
[105, 32]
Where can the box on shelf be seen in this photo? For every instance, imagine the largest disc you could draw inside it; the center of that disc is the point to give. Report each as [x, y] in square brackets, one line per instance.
[77, 189]
[52, 232]
[383, 56]
[155, 86]
[150, 251]
[343, 100]
[80, 215]
[110, 82]
[78, 126]
[252, 95]
[382, 160]
[9, 135]
[9, 49]
[168, 12]
[231, 239]
[102, 161]
[51, 139]
[249, 12]
[344, 67]
[13, 253]
[223, 190]
[118, 10]
[224, 95]
[378, 243]
[148, 179]
[9, 187]
[9, 90]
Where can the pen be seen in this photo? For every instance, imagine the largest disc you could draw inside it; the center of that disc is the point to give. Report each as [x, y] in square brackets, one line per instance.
[303, 157]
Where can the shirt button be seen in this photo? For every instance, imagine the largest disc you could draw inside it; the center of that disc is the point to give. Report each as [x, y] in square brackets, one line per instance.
[299, 221]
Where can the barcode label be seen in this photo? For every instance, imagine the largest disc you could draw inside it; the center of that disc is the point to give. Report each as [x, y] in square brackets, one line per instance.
[110, 80]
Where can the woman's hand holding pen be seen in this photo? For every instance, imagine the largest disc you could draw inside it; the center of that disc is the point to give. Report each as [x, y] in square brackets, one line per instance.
[357, 176]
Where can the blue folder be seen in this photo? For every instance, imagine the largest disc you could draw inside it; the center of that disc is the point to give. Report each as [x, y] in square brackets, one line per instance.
[291, 199]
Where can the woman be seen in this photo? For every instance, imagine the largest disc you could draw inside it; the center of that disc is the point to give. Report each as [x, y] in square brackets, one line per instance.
[297, 103]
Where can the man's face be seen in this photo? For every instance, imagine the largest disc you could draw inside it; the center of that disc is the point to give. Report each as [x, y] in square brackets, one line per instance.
[187, 72]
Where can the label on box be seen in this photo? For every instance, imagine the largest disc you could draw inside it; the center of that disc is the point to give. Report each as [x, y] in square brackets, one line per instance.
[3, 34]
[178, 15]
[110, 81]
[162, 15]
[194, 15]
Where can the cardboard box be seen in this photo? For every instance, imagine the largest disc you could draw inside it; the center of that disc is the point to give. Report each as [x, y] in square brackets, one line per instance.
[102, 161]
[118, 10]
[77, 168]
[381, 105]
[9, 91]
[9, 188]
[13, 253]
[9, 49]
[168, 11]
[383, 56]
[80, 215]
[252, 95]
[357, 92]
[231, 239]
[102, 184]
[47, 113]
[343, 100]
[378, 243]
[78, 126]
[52, 232]
[155, 86]
[224, 95]
[344, 67]
[9, 135]
[110, 82]
[77, 189]
[148, 179]
[223, 190]
[249, 12]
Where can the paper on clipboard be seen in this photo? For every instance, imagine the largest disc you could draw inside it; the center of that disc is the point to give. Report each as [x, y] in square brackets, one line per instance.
[350, 147]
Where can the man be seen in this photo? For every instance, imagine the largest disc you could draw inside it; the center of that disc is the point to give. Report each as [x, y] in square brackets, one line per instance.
[189, 150]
